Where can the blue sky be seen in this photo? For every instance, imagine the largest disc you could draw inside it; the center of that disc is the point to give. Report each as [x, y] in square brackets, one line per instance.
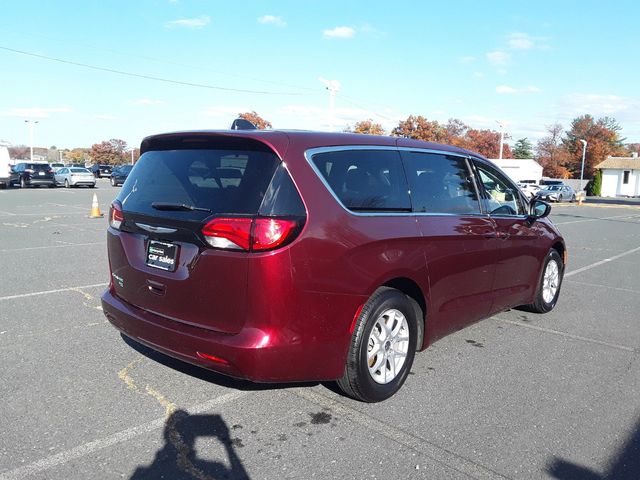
[526, 64]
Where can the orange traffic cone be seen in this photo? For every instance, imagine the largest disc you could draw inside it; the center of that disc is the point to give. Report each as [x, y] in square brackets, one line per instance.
[95, 208]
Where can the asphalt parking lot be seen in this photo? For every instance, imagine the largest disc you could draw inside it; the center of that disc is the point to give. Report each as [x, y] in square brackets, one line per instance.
[515, 396]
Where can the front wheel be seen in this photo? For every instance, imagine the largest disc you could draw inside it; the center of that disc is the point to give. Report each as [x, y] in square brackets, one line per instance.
[382, 347]
[113, 182]
[549, 285]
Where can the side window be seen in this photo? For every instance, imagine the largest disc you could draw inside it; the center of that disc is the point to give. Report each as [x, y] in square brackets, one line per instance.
[500, 196]
[62, 171]
[440, 183]
[365, 180]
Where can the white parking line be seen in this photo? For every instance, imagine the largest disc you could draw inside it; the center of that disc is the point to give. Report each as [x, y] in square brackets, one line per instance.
[418, 444]
[596, 219]
[47, 292]
[601, 262]
[114, 439]
[49, 246]
[568, 335]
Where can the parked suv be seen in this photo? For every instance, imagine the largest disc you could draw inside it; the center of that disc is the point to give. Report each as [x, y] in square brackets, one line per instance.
[296, 256]
[100, 171]
[28, 174]
[120, 174]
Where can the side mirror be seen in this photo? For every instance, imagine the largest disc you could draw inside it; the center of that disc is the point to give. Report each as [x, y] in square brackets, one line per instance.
[538, 209]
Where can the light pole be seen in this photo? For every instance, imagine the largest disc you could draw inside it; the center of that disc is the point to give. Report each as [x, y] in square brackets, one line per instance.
[501, 138]
[584, 151]
[31, 124]
[132, 155]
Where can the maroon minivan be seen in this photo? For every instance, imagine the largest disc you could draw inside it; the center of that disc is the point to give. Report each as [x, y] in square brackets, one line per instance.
[280, 256]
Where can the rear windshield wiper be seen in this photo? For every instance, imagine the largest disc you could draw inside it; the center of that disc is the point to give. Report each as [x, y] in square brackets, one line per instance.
[178, 207]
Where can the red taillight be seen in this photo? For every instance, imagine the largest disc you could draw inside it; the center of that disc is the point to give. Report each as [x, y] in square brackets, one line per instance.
[269, 233]
[228, 233]
[248, 234]
[116, 216]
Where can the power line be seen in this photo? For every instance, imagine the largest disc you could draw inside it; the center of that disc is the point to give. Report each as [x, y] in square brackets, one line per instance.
[147, 77]
[165, 61]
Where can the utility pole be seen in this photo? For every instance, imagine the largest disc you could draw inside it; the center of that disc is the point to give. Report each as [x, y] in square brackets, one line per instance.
[501, 138]
[31, 124]
[333, 86]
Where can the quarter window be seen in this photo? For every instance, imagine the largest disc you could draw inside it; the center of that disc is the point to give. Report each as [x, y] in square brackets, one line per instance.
[625, 177]
[499, 196]
[365, 180]
[440, 183]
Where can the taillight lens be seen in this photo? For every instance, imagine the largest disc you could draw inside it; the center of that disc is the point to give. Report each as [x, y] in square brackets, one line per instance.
[229, 233]
[248, 234]
[271, 232]
[116, 217]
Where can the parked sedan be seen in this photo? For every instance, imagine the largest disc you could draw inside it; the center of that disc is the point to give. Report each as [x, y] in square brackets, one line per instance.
[120, 174]
[75, 177]
[530, 189]
[557, 193]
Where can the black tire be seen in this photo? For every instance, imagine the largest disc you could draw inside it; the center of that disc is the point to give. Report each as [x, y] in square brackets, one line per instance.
[92, 186]
[357, 382]
[23, 184]
[573, 198]
[53, 185]
[113, 182]
[540, 305]
[66, 183]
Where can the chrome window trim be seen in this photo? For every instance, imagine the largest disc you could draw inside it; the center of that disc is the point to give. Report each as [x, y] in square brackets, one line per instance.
[309, 153]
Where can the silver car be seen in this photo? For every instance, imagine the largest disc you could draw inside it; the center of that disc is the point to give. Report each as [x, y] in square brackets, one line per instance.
[557, 193]
[75, 177]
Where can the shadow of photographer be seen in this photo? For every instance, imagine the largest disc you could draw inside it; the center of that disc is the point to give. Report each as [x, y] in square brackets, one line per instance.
[178, 458]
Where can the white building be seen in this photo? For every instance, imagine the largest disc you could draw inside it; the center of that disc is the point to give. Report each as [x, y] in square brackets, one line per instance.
[520, 169]
[620, 176]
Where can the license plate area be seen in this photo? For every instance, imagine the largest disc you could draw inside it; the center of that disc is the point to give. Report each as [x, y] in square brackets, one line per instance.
[162, 255]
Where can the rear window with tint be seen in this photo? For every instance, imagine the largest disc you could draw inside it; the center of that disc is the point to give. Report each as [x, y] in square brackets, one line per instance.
[365, 180]
[79, 170]
[223, 181]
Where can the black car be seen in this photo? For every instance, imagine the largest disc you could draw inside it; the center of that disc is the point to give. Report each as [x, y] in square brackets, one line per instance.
[28, 174]
[120, 174]
[100, 171]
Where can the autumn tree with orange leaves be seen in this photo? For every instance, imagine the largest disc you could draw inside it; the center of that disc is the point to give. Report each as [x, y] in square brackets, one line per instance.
[257, 120]
[368, 127]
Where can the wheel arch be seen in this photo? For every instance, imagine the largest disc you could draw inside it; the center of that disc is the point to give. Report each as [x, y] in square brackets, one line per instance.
[412, 290]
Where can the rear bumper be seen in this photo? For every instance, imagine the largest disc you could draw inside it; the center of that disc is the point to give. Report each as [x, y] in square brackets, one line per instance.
[253, 354]
[41, 181]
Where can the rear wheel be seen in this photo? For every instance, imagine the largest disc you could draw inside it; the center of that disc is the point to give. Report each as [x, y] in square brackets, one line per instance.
[382, 347]
[66, 183]
[23, 184]
[573, 198]
[549, 286]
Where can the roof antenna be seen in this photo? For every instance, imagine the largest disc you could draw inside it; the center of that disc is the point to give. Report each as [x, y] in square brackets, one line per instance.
[242, 124]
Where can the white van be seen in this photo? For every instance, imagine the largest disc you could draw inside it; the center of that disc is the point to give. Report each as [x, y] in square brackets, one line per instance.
[5, 167]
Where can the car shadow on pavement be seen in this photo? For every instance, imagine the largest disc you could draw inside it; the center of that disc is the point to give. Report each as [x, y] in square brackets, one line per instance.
[209, 375]
[178, 459]
[624, 465]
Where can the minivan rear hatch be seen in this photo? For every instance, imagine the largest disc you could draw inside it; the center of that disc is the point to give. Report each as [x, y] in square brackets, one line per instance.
[160, 258]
